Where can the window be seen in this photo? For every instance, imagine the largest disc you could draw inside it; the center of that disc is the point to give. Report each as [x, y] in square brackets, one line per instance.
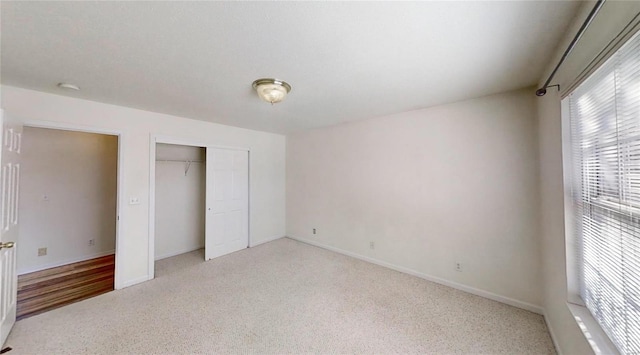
[604, 113]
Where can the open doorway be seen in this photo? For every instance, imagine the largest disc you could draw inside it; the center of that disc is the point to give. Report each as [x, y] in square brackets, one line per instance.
[180, 186]
[68, 226]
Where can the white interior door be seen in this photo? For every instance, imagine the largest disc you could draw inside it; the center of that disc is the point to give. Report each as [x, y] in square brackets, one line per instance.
[227, 202]
[11, 141]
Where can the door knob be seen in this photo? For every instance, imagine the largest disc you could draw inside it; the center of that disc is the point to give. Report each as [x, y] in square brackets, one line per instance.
[7, 245]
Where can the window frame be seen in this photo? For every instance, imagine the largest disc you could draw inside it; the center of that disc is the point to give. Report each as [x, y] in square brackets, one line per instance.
[598, 195]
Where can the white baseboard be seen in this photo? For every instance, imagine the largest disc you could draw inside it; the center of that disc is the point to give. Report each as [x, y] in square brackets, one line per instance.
[552, 333]
[64, 262]
[136, 281]
[174, 253]
[266, 240]
[475, 291]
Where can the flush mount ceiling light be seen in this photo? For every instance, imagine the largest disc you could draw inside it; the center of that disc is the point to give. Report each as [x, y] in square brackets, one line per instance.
[68, 86]
[271, 90]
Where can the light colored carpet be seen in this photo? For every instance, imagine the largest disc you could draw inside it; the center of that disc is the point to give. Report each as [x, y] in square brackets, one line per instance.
[282, 297]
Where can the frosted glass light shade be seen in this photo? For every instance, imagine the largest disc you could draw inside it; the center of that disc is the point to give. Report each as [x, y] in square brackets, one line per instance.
[271, 90]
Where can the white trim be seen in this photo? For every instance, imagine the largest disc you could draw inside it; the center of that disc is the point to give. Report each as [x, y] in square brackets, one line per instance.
[71, 127]
[192, 143]
[136, 281]
[174, 253]
[554, 339]
[152, 208]
[248, 199]
[118, 283]
[65, 262]
[592, 331]
[119, 215]
[267, 240]
[572, 256]
[478, 292]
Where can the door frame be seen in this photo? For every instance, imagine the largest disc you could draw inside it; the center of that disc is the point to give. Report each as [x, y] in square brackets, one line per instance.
[118, 282]
[163, 139]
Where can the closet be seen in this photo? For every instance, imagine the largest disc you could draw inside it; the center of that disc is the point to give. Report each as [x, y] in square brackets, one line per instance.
[201, 200]
[180, 186]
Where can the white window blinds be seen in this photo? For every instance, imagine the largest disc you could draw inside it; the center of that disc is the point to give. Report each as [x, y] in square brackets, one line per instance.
[605, 142]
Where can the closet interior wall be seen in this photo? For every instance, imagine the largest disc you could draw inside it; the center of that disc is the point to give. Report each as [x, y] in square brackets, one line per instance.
[180, 199]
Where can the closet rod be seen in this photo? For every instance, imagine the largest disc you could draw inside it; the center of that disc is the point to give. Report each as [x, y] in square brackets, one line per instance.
[181, 161]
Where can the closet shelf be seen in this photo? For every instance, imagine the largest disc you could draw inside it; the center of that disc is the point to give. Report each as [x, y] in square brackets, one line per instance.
[186, 162]
[180, 161]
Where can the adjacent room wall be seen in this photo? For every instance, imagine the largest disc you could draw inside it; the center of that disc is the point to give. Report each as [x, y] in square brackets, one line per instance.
[430, 188]
[611, 19]
[266, 179]
[180, 199]
[68, 197]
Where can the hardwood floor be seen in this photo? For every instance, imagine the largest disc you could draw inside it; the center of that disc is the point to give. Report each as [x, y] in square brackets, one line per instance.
[45, 290]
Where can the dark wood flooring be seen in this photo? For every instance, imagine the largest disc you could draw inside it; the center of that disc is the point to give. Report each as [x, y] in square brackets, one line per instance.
[45, 290]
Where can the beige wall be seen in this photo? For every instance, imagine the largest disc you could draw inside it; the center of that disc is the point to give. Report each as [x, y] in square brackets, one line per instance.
[453, 183]
[68, 197]
[134, 264]
[180, 199]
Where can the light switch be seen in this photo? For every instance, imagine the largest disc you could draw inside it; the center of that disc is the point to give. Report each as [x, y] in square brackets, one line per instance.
[134, 200]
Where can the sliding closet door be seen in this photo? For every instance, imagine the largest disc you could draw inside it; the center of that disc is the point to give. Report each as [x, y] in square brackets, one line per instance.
[227, 202]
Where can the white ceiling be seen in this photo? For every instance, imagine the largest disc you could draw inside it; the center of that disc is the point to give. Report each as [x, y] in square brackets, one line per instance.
[345, 60]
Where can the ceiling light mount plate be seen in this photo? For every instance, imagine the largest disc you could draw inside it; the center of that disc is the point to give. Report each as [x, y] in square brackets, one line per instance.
[271, 90]
[265, 81]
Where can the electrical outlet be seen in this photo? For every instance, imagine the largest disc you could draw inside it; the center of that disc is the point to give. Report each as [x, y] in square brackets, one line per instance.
[372, 245]
[42, 251]
[458, 267]
[134, 200]
[92, 242]
[314, 231]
